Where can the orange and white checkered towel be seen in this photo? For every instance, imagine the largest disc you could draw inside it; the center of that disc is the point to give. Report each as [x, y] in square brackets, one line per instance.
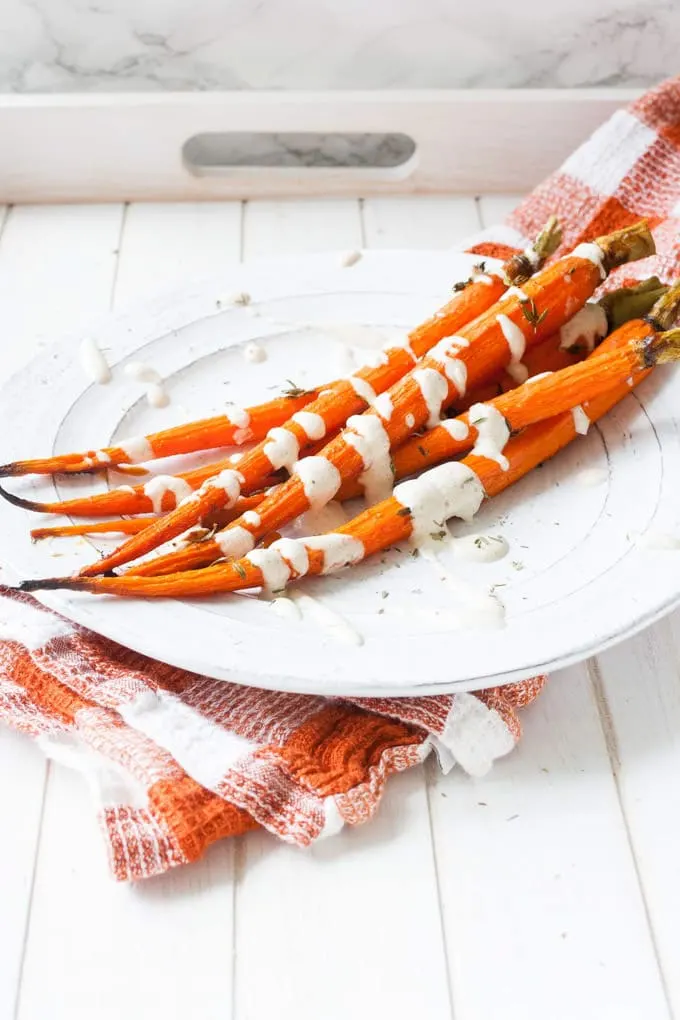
[179, 760]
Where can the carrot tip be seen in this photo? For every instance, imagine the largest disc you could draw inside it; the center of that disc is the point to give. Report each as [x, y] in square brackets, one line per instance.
[49, 584]
[8, 470]
[25, 504]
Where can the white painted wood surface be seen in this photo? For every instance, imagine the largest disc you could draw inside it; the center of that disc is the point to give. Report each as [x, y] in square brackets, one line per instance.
[124, 147]
[548, 889]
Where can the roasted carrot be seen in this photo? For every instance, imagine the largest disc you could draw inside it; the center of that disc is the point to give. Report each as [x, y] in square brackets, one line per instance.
[415, 511]
[252, 424]
[124, 526]
[243, 425]
[159, 494]
[486, 428]
[576, 338]
[497, 337]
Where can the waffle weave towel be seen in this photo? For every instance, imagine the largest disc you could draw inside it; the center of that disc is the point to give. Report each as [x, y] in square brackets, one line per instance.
[177, 760]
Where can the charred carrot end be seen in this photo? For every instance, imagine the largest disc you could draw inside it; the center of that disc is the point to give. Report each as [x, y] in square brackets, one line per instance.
[520, 267]
[623, 246]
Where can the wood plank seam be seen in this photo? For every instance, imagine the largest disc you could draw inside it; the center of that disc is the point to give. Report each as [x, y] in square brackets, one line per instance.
[611, 742]
[430, 765]
[31, 891]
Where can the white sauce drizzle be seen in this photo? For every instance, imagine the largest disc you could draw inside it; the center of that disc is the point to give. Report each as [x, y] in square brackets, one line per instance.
[581, 420]
[384, 406]
[157, 395]
[137, 450]
[286, 608]
[401, 345]
[454, 369]
[102, 457]
[254, 352]
[238, 416]
[410, 421]
[282, 449]
[253, 518]
[320, 480]
[449, 490]
[367, 435]
[584, 330]
[94, 362]
[492, 433]
[333, 623]
[141, 372]
[339, 551]
[294, 553]
[591, 253]
[313, 425]
[125, 488]
[516, 292]
[160, 485]
[480, 548]
[274, 569]
[374, 359]
[434, 390]
[350, 258]
[362, 389]
[592, 476]
[230, 481]
[458, 430]
[517, 343]
[537, 378]
[234, 542]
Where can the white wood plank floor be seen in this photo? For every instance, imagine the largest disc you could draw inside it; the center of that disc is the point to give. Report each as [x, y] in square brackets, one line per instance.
[550, 889]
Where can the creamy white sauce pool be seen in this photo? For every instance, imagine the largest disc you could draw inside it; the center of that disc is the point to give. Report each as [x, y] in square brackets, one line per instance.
[254, 352]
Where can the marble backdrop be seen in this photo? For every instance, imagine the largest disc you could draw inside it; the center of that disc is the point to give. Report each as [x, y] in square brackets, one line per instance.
[98, 45]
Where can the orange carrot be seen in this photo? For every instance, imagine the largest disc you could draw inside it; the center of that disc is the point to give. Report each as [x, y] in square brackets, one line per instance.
[577, 338]
[244, 425]
[395, 519]
[129, 526]
[628, 350]
[497, 337]
[159, 494]
[252, 424]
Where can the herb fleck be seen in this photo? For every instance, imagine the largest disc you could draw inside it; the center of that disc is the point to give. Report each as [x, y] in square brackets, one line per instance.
[294, 391]
[384, 594]
[239, 570]
[460, 285]
[404, 511]
[531, 313]
[518, 565]
[422, 451]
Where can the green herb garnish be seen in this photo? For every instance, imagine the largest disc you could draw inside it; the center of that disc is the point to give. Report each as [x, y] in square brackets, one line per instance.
[531, 313]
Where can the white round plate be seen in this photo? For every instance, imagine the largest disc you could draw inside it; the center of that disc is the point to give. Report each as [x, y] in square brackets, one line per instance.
[578, 576]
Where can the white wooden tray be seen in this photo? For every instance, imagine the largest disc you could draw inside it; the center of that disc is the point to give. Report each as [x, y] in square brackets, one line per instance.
[113, 147]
